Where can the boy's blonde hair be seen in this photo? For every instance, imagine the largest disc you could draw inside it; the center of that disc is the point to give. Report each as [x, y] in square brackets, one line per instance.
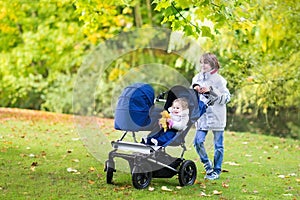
[183, 102]
[210, 59]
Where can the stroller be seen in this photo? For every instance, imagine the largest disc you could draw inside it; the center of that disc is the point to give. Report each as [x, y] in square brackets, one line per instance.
[136, 111]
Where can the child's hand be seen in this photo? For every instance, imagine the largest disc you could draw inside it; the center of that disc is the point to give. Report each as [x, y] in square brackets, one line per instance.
[170, 123]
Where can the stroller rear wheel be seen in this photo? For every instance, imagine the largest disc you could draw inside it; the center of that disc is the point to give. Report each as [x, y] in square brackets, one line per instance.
[141, 176]
[187, 173]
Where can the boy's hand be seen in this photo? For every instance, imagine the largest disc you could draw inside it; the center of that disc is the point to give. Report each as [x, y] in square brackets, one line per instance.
[204, 90]
[201, 90]
[197, 88]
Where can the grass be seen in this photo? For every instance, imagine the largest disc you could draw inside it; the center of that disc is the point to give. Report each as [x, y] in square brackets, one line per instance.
[42, 157]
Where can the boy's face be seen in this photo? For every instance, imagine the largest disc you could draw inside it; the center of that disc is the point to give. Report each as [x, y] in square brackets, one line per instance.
[205, 66]
[176, 108]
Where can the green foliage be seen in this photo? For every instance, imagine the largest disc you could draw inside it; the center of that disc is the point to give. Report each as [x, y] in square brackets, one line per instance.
[257, 44]
[47, 45]
[43, 44]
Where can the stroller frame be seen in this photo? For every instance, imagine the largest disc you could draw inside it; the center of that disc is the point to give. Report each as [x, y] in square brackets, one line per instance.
[146, 157]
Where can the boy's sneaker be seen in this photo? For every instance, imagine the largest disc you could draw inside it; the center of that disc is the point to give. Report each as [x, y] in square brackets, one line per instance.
[212, 176]
[208, 167]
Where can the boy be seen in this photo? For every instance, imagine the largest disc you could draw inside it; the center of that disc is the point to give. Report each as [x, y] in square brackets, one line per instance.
[214, 118]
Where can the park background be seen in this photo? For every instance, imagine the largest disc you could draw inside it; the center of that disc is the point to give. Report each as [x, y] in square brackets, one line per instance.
[44, 43]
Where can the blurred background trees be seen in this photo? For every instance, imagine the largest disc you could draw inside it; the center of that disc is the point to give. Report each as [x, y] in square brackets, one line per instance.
[43, 45]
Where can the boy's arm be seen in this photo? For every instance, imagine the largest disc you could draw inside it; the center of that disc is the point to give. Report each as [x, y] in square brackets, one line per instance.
[222, 92]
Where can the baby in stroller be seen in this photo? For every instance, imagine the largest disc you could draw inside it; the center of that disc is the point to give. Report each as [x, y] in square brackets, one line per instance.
[178, 120]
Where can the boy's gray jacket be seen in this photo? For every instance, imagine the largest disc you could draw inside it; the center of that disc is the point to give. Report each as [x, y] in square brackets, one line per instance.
[215, 116]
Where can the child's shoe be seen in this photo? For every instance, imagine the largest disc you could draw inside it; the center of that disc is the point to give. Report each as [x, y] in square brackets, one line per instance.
[212, 176]
[208, 167]
[154, 141]
[144, 140]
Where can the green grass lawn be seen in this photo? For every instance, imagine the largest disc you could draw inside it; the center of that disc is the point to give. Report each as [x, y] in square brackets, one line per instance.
[42, 157]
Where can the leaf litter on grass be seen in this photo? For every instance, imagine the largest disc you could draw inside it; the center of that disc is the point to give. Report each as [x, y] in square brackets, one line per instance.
[40, 137]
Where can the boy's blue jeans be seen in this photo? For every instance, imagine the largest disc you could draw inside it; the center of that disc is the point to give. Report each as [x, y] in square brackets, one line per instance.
[218, 148]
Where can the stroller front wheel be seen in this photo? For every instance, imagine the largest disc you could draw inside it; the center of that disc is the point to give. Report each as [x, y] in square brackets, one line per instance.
[110, 169]
[187, 173]
[141, 176]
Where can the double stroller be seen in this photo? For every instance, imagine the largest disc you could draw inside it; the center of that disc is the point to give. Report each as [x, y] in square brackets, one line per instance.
[137, 110]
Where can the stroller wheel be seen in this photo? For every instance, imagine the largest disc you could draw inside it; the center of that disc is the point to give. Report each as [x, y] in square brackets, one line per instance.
[187, 173]
[141, 176]
[109, 175]
[110, 169]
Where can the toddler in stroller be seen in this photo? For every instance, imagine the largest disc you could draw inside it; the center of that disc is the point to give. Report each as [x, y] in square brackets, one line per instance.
[136, 112]
[177, 120]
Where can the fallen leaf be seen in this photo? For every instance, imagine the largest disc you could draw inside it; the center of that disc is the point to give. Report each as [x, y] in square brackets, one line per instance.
[31, 155]
[164, 188]
[232, 163]
[43, 153]
[281, 176]
[225, 185]
[151, 189]
[202, 185]
[293, 174]
[91, 182]
[216, 192]
[75, 160]
[287, 195]
[71, 170]
[92, 169]
[204, 195]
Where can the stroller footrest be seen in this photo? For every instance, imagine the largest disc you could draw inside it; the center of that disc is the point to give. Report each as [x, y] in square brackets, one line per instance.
[135, 147]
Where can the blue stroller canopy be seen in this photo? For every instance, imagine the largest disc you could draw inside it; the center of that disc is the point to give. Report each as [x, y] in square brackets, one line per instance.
[133, 107]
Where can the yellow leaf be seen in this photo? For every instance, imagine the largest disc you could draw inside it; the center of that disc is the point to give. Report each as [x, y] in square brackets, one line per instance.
[224, 185]
[92, 169]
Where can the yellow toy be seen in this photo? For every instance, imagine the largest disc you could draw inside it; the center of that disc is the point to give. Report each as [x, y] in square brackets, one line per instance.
[163, 121]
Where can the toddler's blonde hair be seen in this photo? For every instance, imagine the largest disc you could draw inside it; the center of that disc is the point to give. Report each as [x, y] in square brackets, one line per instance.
[183, 102]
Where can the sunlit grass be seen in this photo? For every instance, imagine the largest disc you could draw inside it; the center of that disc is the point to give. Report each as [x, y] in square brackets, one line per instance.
[43, 158]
